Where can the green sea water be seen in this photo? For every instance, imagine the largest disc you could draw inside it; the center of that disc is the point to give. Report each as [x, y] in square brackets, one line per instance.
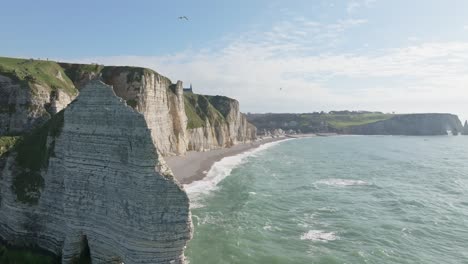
[344, 199]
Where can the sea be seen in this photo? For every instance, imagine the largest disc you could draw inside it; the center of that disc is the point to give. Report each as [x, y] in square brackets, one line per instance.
[339, 199]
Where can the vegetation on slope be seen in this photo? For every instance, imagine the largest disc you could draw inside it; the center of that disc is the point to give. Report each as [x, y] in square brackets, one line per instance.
[7, 143]
[347, 120]
[32, 155]
[22, 256]
[334, 121]
[221, 103]
[199, 109]
[47, 73]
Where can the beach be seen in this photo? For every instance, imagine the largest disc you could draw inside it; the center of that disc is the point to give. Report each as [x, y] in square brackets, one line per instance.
[194, 166]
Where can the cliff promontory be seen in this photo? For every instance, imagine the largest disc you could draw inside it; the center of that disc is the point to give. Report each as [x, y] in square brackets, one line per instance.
[215, 121]
[91, 177]
[411, 124]
[32, 91]
[465, 128]
[81, 167]
[359, 123]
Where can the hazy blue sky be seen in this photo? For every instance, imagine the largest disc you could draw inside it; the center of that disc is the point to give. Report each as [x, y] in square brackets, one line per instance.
[388, 55]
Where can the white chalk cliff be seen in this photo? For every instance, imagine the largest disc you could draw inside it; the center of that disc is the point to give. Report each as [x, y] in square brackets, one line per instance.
[104, 183]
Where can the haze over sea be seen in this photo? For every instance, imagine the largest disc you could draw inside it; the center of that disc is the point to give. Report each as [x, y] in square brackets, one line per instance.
[344, 199]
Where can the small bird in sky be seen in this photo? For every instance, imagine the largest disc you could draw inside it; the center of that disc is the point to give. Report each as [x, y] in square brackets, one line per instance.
[281, 88]
[183, 17]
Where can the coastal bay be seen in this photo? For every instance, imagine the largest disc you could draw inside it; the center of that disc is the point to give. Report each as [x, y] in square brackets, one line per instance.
[194, 166]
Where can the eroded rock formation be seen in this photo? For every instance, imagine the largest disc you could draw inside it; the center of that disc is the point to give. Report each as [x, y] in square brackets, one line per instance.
[103, 183]
[216, 122]
[24, 105]
[465, 128]
[160, 101]
[32, 91]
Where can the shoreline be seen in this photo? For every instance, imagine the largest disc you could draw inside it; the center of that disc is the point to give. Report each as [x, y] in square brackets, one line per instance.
[194, 165]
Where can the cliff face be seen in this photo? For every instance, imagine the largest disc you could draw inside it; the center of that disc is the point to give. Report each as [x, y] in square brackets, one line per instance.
[215, 122]
[358, 122]
[465, 128]
[411, 124]
[97, 180]
[160, 101]
[30, 93]
[178, 123]
[93, 174]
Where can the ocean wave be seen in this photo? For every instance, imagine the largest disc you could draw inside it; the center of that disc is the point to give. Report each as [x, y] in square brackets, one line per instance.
[319, 235]
[342, 182]
[220, 170]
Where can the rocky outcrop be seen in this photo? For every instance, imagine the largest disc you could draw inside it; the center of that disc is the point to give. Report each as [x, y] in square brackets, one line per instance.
[160, 101]
[465, 128]
[27, 100]
[219, 122]
[411, 124]
[100, 182]
[215, 122]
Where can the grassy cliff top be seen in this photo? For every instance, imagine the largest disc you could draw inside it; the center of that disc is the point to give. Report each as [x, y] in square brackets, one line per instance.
[47, 73]
[347, 120]
[198, 109]
[316, 122]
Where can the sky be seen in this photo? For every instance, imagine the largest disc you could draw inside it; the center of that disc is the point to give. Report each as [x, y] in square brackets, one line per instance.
[273, 56]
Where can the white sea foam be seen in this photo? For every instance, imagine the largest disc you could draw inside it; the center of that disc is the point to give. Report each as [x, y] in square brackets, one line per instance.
[319, 235]
[342, 182]
[221, 170]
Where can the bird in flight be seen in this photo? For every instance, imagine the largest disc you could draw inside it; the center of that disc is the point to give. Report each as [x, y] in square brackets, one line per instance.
[183, 17]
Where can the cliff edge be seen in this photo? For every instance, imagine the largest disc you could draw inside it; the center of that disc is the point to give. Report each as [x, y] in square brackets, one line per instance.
[32, 91]
[215, 122]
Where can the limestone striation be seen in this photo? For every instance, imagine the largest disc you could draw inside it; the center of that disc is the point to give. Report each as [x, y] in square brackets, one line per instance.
[411, 124]
[101, 183]
[32, 91]
[179, 121]
[27, 96]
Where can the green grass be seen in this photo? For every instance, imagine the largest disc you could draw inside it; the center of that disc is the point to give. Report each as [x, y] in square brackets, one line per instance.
[193, 120]
[33, 154]
[221, 103]
[21, 256]
[37, 71]
[199, 109]
[7, 143]
[348, 120]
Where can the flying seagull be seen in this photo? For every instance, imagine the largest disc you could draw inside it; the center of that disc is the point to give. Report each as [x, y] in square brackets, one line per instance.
[183, 17]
